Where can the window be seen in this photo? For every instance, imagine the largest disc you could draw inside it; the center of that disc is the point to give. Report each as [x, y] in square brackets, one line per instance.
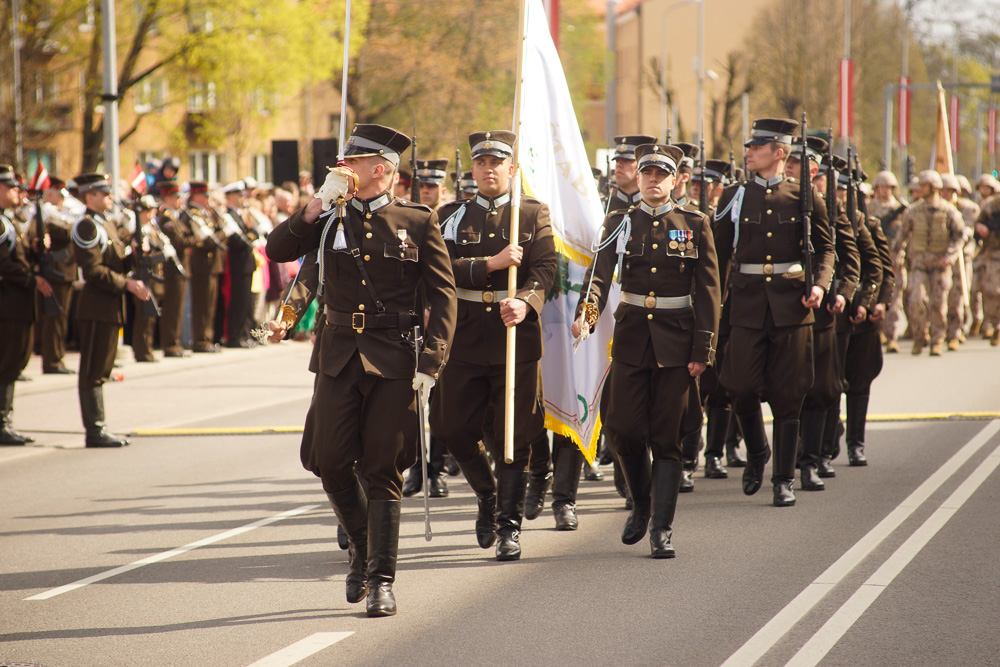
[262, 102]
[208, 167]
[45, 88]
[88, 18]
[260, 167]
[150, 94]
[201, 96]
[334, 129]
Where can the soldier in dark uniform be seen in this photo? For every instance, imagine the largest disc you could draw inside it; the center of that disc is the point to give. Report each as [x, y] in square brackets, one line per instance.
[684, 172]
[824, 395]
[759, 226]
[145, 323]
[467, 187]
[241, 265]
[430, 176]
[478, 236]
[18, 284]
[60, 273]
[175, 224]
[208, 259]
[102, 257]
[364, 407]
[664, 331]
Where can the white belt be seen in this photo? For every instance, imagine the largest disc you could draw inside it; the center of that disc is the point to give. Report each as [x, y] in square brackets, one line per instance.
[770, 269]
[657, 302]
[489, 296]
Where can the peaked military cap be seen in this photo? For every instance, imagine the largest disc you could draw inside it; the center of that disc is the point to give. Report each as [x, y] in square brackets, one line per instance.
[690, 153]
[625, 145]
[466, 183]
[432, 172]
[7, 176]
[168, 187]
[370, 139]
[768, 130]
[404, 177]
[232, 188]
[716, 171]
[93, 181]
[197, 187]
[816, 148]
[499, 143]
[57, 183]
[667, 158]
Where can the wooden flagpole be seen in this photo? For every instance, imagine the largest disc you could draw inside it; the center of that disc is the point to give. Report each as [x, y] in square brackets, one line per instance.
[515, 219]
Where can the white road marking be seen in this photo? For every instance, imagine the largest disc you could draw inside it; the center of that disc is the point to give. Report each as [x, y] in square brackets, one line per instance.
[765, 638]
[170, 554]
[302, 649]
[827, 637]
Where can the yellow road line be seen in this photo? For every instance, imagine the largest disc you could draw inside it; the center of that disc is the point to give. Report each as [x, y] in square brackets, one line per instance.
[271, 430]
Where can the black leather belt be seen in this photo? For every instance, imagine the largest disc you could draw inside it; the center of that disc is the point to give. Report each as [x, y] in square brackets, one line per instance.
[361, 321]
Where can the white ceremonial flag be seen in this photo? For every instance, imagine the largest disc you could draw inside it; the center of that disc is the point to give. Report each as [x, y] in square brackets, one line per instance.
[556, 171]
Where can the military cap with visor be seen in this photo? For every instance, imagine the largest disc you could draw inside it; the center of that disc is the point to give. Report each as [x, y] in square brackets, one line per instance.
[168, 187]
[91, 182]
[667, 158]
[197, 187]
[716, 171]
[498, 143]
[625, 145]
[690, 152]
[816, 148]
[7, 176]
[369, 139]
[432, 172]
[772, 130]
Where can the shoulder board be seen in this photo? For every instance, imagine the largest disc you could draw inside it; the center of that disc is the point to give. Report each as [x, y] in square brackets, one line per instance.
[409, 204]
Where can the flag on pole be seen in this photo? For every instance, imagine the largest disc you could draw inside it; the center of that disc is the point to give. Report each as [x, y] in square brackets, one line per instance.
[40, 181]
[991, 124]
[846, 98]
[138, 179]
[903, 135]
[556, 171]
[941, 160]
[954, 127]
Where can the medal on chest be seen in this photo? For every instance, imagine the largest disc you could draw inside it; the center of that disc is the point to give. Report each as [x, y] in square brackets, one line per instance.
[681, 239]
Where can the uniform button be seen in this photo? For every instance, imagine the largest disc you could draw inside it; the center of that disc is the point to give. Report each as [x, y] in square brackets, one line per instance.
[655, 246]
[363, 283]
[768, 279]
[769, 235]
[650, 316]
[746, 219]
[492, 234]
[652, 294]
[368, 235]
[435, 376]
[368, 216]
[368, 258]
[656, 223]
[653, 270]
[768, 258]
[682, 254]
[769, 211]
[361, 306]
[768, 191]
[489, 309]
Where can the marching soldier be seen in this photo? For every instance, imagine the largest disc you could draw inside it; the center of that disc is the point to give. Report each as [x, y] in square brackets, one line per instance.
[208, 259]
[664, 331]
[987, 267]
[152, 254]
[430, 176]
[759, 225]
[241, 265]
[957, 309]
[175, 224]
[715, 178]
[477, 233]
[684, 172]
[61, 274]
[364, 407]
[889, 210]
[105, 263]
[931, 235]
[18, 284]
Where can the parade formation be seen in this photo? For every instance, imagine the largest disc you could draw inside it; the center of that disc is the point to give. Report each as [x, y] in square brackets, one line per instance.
[782, 280]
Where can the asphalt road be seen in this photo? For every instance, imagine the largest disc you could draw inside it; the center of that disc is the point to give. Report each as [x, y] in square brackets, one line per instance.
[218, 549]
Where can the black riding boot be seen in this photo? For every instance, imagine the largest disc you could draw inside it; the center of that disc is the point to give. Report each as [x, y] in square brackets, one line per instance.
[715, 442]
[759, 452]
[8, 434]
[540, 470]
[857, 416]
[414, 479]
[638, 476]
[92, 411]
[831, 447]
[666, 483]
[480, 477]
[811, 426]
[568, 463]
[786, 437]
[510, 502]
[383, 547]
[351, 508]
[690, 446]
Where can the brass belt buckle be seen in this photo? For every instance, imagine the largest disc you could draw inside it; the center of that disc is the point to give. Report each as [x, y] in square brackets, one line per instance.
[489, 297]
[650, 302]
[768, 269]
[358, 322]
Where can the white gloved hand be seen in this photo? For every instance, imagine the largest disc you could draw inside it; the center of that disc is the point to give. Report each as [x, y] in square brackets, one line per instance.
[423, 383]
[229, 227]
[340, 182]
[169, 252]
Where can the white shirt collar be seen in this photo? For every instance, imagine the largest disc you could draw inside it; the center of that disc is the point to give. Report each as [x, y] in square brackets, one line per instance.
[658, 211]
[768, 183]
[372, 205]
[492, 204]
[633, 198]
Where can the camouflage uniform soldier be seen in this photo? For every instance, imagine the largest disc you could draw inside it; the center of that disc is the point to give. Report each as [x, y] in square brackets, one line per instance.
[889, 211]
[931, 235]
[987, 266]
[956, 302]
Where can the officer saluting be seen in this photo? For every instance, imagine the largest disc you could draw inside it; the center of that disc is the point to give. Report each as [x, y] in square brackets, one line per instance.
[664, 331]
[364, 408]
[478, 235]
[759, 224]
[105, 261]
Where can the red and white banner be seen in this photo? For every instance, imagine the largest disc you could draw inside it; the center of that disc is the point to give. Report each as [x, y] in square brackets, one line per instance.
[846, 97]
[138, 179]
[955, 126]
[903, 136]
[40, 181]
[991, 133]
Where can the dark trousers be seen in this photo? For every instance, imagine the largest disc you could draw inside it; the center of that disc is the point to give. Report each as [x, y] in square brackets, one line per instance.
[239, 317]
[357, 417]
[172, 313]
[204, 294]
[15, 347]
[864, 360]
[646, 405]
[98, 345]
[52, 328]
[143, 330]
[459, 405]
[827, 387]
[775, 363]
